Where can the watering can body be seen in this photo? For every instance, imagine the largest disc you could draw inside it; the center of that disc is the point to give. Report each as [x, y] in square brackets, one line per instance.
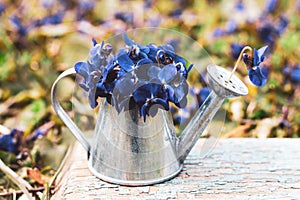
[128, 151]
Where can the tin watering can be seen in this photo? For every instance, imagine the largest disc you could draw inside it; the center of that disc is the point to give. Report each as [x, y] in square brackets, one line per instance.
[128, 151]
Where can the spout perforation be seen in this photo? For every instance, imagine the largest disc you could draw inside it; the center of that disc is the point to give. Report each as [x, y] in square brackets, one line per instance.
[218, 80]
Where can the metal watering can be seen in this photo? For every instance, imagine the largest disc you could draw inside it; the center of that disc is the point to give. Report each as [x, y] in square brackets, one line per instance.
[128, 151]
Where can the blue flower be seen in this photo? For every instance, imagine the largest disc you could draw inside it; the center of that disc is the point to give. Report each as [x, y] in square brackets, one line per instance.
[10, 142]
[126, 64]
[142, 77]
[150, 97]
[174, 83]
[254, 71]
[135, 51]
[123, 92]
[173, 87]
[256, 76]
[165, 55]
[99, 54]
[96, 72]
[259, 55]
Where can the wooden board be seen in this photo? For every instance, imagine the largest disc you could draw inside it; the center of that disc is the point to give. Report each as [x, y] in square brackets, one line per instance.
[233, 169]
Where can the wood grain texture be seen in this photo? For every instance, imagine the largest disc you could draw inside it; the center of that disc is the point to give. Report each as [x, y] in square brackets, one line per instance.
[234, 169]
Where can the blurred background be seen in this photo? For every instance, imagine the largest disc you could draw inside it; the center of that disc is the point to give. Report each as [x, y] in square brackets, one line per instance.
[41, 38]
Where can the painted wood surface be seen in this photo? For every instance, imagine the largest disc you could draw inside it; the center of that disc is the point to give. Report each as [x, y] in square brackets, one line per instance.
[233, 169]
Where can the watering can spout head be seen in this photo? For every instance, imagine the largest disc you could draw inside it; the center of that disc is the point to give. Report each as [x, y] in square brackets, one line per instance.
[223, 84]
[221, 87]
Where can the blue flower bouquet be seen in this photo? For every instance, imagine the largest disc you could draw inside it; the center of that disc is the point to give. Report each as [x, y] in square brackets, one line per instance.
[147, 78]
[136, 77]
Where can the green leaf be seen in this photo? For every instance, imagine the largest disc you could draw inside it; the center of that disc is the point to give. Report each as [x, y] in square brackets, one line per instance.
[6, 66]
[260, 114]
[7, 158]
[29, 116]
[219, 46]
[290, 42]
[276, 60]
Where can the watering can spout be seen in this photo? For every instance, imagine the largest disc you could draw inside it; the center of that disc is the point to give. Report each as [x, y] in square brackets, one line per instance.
[221, 88]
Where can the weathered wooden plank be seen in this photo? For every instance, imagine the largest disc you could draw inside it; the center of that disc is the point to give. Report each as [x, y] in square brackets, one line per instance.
[234, 169]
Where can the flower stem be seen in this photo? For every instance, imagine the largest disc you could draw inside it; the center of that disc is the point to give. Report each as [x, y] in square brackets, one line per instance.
[239, 60]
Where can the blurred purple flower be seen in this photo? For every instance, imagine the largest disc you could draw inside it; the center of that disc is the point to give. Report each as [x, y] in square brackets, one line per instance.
[239, 5]
[174, 43]
[148, 4]
[20, 28]
[126, 17]
[2, 7]
[52, 19]
[231, 26]
[219, 32]
[11, 142]
[295, 74]
[236, 49]
[48, 4]
[202, 95]
[282, 24]
[269, 31]
[271, 5]
[86, 5]
[198, 96]
[176, 13]
[291, 73]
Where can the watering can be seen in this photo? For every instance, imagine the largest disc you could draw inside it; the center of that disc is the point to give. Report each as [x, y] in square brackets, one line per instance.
[127, 150]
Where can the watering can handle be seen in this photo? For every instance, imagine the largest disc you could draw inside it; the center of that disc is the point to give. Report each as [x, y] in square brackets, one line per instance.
[62, 113]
